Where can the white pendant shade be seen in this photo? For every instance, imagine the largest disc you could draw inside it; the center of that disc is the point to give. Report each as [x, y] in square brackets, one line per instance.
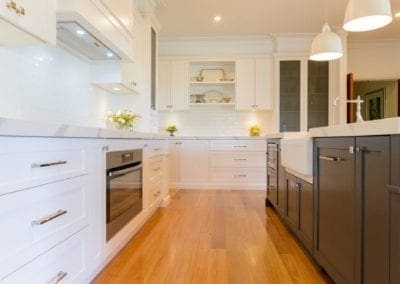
[367, 15]
[326, 46]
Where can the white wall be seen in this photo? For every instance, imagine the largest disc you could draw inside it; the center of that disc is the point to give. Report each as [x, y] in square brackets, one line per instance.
[374, 60]
[43, 83]
[215, 121]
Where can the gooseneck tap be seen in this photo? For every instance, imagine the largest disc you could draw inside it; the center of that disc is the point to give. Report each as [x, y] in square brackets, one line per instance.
[358, 101]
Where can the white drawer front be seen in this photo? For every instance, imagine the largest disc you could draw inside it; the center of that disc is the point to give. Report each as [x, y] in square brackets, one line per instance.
[65, 262]
[238, 145]
[25, 163]
[34, 220]
[238, 176]
[154, 148]
[234, 159]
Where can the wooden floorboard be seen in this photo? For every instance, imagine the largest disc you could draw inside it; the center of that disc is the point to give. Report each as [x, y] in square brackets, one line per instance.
[208, 236]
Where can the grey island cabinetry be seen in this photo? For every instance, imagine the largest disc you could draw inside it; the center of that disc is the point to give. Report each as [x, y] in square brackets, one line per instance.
[356, 236]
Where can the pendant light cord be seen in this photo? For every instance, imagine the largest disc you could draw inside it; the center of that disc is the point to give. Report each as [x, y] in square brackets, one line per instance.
[326, 11]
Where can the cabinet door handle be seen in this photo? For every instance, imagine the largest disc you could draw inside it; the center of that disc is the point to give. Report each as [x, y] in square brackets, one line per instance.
[394, 189]
[240, 176]
[44, 165]
[57, 279]
[11, 5]
[298, 185]
[21, 11]
[49, 218]
[238, 160]
[331, 158]
[240, 146]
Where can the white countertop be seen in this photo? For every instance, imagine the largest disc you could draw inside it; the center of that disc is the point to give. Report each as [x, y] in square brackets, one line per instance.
[217, 137]
[367, 128]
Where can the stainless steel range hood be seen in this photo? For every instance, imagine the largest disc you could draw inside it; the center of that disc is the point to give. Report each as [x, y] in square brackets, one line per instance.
[77, 38]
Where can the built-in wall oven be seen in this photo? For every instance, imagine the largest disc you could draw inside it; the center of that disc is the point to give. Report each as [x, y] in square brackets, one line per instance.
[124, 189]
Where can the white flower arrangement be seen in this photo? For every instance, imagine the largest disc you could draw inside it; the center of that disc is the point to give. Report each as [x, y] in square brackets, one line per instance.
[124, 119]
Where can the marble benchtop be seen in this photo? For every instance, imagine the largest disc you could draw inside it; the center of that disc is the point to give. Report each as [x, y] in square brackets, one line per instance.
[23, 128]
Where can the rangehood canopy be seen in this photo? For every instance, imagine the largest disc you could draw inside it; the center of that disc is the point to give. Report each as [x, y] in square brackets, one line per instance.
[77, 38]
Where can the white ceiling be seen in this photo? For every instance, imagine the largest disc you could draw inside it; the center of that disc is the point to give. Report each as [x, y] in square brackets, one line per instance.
[194, 18]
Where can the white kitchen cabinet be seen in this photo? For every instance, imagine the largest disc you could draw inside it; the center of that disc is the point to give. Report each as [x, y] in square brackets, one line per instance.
[254, 84]
[189, 163]
[27, 22]
[122, 12]
[173, 85]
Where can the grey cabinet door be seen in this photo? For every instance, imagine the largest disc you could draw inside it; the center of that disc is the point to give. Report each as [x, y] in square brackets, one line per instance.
[395, 238]
[395, 211]
[282, 198]
[306, 218]
[373, 177]
[292, 215]
[335, 208]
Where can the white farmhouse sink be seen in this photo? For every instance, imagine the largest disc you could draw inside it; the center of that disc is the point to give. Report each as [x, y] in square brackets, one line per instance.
[297, 154]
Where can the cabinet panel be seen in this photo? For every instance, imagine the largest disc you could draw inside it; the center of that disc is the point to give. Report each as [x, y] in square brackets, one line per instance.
[245, 84]
[306, 218]
[282, 190]
[292, 215]
[395, 238]
[194, 161]
[335, 236]
[164, 85]
[173, 159]
[373, 167]
[264, 88]
[122, 11]
[395, 160]
[179, 85]
[272, 186]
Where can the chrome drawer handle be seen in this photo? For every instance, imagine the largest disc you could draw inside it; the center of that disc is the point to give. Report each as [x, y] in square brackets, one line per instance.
[240, 146]
[332, 159]
[44, 165]
[157, 169]
[240, 160]
[57, 279]
[157, 149]
[240, 176]
[49, 218]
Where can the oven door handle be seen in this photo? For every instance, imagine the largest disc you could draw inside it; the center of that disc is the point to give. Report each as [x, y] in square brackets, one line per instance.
[124, 171]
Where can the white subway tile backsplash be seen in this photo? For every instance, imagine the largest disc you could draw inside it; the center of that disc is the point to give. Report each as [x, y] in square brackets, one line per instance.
[215, 121]
[46, 83]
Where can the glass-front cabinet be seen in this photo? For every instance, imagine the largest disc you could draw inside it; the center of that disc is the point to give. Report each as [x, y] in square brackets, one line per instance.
[303, 94]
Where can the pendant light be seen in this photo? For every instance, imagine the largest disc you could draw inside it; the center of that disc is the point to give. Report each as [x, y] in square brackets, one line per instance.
[367, 15]
[327, 45]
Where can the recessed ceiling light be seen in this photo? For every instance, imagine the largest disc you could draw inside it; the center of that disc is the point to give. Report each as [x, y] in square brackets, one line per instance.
[217, 18]
[116, 89]
[80, 32]
[110, 54]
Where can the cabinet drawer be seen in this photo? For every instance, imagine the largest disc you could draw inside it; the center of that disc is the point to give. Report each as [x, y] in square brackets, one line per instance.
[234, 159]
[25, 163]
[34, 220]
[238, 145]
[238, 176]
[154, 148]
[66, 262]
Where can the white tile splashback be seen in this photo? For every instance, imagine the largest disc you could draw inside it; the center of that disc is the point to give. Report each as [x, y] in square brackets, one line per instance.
[215, 121]
[44, 83]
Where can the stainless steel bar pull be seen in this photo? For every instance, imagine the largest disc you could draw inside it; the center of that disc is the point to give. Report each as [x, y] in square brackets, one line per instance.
[240, 159]
[330, 158]
[49, 218]
[57, 279]
[44, 165]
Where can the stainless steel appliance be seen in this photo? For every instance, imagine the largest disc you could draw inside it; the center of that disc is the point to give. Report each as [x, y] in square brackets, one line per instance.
[272, 172]
[124, 189]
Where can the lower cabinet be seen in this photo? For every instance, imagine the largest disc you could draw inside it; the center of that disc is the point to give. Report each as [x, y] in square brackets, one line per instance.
[357, 214]
[300, 207]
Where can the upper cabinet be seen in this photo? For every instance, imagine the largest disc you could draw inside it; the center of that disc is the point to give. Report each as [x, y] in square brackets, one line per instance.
[27, 22]
[173, 86]
[254, 84]
[111, 22]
